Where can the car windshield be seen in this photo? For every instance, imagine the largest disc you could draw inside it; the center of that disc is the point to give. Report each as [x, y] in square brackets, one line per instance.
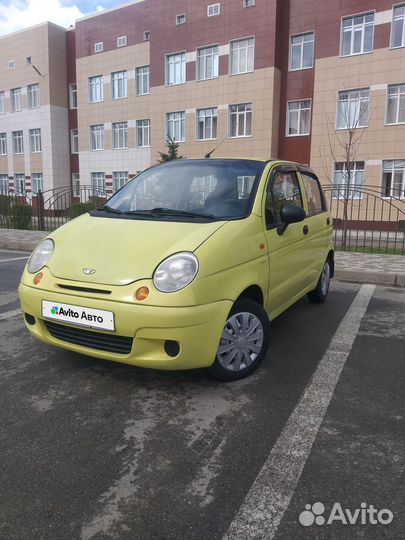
[187, 189]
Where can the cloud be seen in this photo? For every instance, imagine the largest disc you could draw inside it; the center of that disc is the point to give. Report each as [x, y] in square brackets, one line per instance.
[19, 14]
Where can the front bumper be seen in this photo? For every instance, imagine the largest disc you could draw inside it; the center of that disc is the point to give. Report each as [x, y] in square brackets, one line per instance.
[197, 329]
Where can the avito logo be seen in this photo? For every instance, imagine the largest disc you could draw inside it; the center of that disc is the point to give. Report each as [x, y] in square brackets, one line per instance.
[366, 514]
[55, 310]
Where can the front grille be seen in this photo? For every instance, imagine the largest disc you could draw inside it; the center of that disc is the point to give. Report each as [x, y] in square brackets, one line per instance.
[83, 289]
[90, 339]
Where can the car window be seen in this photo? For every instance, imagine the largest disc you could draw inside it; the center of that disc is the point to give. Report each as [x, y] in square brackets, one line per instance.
[285, 189]
[313, 194]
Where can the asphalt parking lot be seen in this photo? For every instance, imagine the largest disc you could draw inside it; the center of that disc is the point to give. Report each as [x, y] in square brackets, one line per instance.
[96, 450]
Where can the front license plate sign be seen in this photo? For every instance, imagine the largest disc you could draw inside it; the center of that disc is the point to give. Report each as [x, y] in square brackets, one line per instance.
[82, 316]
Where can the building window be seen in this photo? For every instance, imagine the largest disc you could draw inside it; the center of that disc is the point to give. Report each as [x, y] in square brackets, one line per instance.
[97, 137]
[396, 104]
[143, 132]
[3, 144]
[15, 95]
[180, 19]
[302, 51]
[98, 47]
[120, 135]
[393, 181]
[249, 3]
[35, 140]
[240, 120]
[146, 36]
[119, 84]
[73, 96]
[98, 184]
[33, 96]
[398, 27]
[96, 89]
[242, 56]
[352, 109]
[213, 10]
[11, 64]
[142, 80]
[176, 68]
[120, 178]
[2, 102]
[76, 183]
[207, 63]
[3, 184]
[18, 142]
[19, 184]
[74, 141]
[37, 182]
[348, 182]
[207, 121]
[299, 117]
[176, 125]
[121, 41]
[357, 34]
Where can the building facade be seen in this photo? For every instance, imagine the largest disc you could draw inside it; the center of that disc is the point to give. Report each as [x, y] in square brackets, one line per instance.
[292, 79]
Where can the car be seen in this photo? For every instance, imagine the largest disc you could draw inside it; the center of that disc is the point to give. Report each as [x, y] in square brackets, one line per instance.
[185, 266]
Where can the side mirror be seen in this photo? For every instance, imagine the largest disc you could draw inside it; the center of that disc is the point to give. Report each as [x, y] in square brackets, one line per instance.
[290, 214]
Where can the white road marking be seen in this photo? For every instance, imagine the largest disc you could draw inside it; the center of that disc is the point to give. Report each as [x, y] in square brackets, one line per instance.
[270, 495]
[14, 259]
[9, 314]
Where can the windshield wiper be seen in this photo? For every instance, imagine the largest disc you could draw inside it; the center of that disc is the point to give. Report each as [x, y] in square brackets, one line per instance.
[160, 211]
[106, 208]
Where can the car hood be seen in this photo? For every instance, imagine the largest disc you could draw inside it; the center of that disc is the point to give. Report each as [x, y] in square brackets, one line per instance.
[121, 251]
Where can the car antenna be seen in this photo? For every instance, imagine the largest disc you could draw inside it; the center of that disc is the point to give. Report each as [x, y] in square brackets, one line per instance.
[207, 156]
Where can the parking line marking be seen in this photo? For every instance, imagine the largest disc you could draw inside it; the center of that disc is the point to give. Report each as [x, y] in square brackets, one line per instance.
[14, 259]
[9, 314]
[270, 495]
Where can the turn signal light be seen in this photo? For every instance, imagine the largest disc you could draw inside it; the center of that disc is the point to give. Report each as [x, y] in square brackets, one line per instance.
[38, 278]
[142, 293]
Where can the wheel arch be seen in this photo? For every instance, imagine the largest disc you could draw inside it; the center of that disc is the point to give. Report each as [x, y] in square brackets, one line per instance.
[254, 293]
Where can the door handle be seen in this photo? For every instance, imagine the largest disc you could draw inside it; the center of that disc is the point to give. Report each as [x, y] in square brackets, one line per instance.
[305, 229]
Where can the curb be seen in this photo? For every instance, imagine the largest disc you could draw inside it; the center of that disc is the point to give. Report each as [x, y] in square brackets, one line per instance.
[391, 279]
[19, 245]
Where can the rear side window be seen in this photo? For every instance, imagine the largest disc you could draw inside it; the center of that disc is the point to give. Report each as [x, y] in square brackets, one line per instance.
[284, 189]
[313, 194]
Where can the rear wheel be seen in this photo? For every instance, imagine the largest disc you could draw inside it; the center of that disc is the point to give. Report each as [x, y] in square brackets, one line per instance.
[244, 342]
[319, 294]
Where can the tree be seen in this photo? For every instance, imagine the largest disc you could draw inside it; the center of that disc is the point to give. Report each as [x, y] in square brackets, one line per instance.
[172, 151]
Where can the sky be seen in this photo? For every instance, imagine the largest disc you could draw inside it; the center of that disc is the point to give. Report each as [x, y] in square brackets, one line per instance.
[17, 14]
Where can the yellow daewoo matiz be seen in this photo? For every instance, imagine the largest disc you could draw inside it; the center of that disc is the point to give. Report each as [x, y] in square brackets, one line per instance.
[185, 266]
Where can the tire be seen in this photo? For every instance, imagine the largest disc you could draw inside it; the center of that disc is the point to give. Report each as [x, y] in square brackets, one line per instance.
[237, 358]
[319, 294]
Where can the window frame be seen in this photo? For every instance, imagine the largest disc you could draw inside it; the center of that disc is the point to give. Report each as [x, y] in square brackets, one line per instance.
[181, 19]
[96, 135]
[290, 55]
[270, 185]
[197, 63]
[35, 140]
[338, 101]
[92, 86]
[322, 195]
[393, 171]
[145, 129]
[73, 96]
[287, 134]
[363, 13]
[115, 84]
[3, 102]
[216, 5]
[386, 123]
[119, 130]
[170, 55]
[96, 191]
[246, 5]
[361, 190]
[98, 47]
[123, 43]
[139, 76]
[212, 123]
[36, 93]
[17, 178]
[3, 143]
[230, 64]
[5, 190]
[21, 143]
[122, 174]
[174, 120]
[74, 136]
[400, 4]
[230, 136]
[35, 177]
[15, 92]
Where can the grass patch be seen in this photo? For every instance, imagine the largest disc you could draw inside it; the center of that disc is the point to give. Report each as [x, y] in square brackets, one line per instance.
[372, 249]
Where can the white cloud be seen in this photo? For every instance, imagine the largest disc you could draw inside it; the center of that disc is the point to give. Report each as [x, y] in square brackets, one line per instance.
[19, 15]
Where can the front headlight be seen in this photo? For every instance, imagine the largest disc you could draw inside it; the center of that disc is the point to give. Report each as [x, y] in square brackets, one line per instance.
[175, 272]
[40, 256]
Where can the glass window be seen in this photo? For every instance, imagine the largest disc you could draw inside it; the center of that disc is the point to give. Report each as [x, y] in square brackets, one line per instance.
[242, 55]
[180, 19]
[398, 26]
[207, 62]
[299, 117]
[96, 89]
[19, 184]
[313, 194]
[33, 96]
[76, 183]
[176, 68]
[120, 178]
[98, 47]
[207, 120]
[396, 104]
[35, 140]
[120, 135]
[146, 35]
[393, 178]
[97, 137]
[302, 51]
[3, 144]
[73, 96]
[176, 125]
[37, 182]
[15, 95]
[2, 102]
[18, 142]
[143, 132]
[353, 108]
[3, 184]
[348, 182]
[213, 10]
[74, 141]
[121, 41]
[240, 120]
[285, 189]
[119, 84]
[142, 80]
[248, 3]
[357, 34]
[98, 183]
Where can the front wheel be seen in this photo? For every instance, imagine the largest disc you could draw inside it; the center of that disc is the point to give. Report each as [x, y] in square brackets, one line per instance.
[244, 342]
[320, 293]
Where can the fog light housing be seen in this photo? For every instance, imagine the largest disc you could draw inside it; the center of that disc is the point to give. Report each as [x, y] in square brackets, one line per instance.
[172, 348]
[29, 318]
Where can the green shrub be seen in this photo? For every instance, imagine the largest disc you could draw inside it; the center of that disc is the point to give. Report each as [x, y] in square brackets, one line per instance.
[77, 209]
[21, 216]
[5, 205]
